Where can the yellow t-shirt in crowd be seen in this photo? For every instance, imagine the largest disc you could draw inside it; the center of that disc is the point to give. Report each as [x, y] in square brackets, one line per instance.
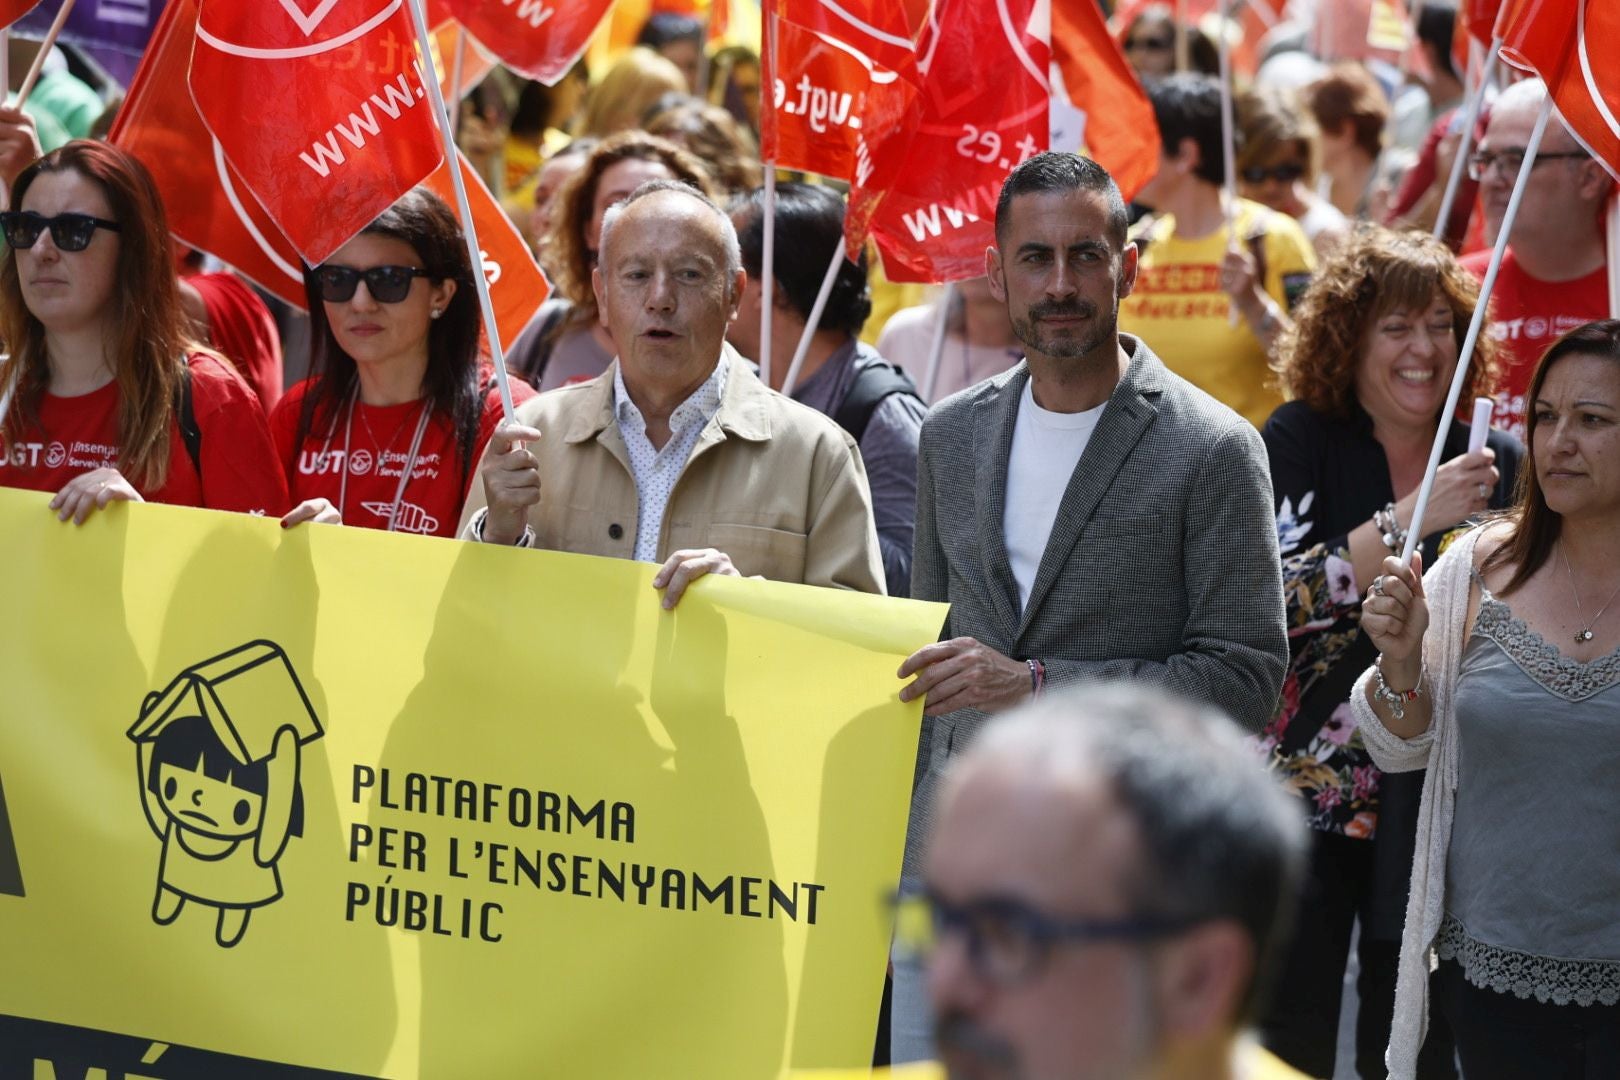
[1180, 310]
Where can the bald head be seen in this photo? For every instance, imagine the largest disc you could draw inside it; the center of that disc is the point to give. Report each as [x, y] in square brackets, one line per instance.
[677, 200]
[1564, 195]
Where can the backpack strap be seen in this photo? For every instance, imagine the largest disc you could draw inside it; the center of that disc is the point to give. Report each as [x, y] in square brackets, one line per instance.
[186, 418]
[874, 383]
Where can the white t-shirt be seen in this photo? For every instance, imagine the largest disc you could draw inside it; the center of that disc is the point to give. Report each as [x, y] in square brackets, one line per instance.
[1046, 447]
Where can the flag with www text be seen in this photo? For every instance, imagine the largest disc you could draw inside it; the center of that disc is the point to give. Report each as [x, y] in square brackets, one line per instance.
[1564, 43]
[926, 186]
[210, 208]
[538, 38]
[325, 147]
[827, 57]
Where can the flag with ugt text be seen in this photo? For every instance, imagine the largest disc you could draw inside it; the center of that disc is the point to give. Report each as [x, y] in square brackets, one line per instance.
[210, 209]
[1570, 43]
[538, 38]
[1117, 128]
[817, 88]
[926, 186]
[319, 108]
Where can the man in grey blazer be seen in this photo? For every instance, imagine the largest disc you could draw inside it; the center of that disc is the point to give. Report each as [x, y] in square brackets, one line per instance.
[1087, 514]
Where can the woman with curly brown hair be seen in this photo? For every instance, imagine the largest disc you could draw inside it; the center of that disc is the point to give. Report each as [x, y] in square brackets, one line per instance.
[1367, 364]
[565, 341]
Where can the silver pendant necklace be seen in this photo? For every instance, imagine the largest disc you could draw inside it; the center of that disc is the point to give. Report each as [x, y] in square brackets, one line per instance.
[1585, 634]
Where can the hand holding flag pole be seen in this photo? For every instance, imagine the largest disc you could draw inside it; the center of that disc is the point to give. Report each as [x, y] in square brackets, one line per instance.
[1415, 531]
[469, 229]
[1465, 145]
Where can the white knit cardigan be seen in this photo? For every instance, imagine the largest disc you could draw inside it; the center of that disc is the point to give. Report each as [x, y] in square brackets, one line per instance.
[1447, 585]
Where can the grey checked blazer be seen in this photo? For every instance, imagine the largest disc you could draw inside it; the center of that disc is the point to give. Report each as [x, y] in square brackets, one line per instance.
[1162, 563]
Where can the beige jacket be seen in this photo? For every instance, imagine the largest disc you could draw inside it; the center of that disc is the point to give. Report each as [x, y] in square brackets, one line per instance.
[775, 485]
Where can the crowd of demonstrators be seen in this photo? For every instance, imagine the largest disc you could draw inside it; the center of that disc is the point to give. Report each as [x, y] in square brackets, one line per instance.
[399, 403]
[1367, 367]
[841, 376]
[1197, 264]
[566, 340]
[1108, 884]
[1499, 675]
[1089, 486]
[678, 454]
[1084, 483]
[108, 396]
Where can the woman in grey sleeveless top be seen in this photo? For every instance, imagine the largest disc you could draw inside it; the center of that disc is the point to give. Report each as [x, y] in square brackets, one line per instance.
[1511, 698]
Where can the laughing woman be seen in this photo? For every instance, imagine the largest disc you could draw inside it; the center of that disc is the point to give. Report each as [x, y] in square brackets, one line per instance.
[1368, 364]
[385, 432]
[104, 396]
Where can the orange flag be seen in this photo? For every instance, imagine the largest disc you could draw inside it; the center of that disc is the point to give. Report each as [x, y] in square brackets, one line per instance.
[1118, 128]
[318, 109]
[1566, 42]
[210, 209]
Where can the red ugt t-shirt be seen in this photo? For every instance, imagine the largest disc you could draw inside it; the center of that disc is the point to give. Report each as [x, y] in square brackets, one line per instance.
[1528, 315]
[76, 435]
[379, 441]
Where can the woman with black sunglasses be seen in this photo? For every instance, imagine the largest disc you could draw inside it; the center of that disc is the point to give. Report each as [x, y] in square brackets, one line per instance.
[104, 395]
[1277, 160]
[400, 401]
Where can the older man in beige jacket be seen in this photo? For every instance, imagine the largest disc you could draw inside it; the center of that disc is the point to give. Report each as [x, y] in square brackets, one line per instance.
[678, 454]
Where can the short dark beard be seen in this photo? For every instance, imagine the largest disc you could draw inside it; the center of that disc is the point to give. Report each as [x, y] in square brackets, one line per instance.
[955, 1032]
[1103, 331]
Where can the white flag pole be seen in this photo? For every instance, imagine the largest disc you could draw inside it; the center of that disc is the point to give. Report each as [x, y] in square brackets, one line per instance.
[38, 65]
[767, 255]
[474, 252]
[810, 322]
[1414, 534]
[1229, 195]
[936, 349]
[1612, 230]
[1465, 146]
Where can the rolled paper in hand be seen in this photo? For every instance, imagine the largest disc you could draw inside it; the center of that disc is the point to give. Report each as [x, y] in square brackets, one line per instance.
[1482, 424]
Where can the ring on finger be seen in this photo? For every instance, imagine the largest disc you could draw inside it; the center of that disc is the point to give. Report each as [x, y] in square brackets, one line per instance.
[1378, 585]
[1484, 490]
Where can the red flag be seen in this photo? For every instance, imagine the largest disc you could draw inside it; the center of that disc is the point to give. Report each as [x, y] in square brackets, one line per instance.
[318, 107]
[1479, 17]
[926, 184]
[210, 209]
[1561, 41]
[819, 91]
[538, 38]
[12, 10]
[1118, 129]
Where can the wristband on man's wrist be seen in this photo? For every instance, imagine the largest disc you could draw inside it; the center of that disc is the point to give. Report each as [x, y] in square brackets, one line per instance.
[1037, 677]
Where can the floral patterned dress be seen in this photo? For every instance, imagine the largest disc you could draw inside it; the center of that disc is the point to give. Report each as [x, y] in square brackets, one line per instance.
[1328, 476]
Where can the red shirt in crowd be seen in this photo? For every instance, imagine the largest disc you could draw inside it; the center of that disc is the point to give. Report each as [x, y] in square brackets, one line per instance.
[76, 435]
[1527, 315]
[241, 327]
[379, 442]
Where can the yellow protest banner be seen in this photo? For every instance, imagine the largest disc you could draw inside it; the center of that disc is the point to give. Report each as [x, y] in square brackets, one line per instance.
[395, 806]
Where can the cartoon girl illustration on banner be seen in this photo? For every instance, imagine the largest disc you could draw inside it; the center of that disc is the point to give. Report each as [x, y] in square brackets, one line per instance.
[219, 753]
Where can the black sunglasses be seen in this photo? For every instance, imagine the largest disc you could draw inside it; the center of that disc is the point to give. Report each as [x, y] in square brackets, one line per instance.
[69, 232]
[386, 284]
[1151, 44]
[1283, 174]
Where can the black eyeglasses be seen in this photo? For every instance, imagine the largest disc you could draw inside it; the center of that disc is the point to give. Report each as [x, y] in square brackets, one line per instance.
[1286, 173]
[1511, 161]
[1007, 941]
[1151, 44]
[386, 284]
[69, 232]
